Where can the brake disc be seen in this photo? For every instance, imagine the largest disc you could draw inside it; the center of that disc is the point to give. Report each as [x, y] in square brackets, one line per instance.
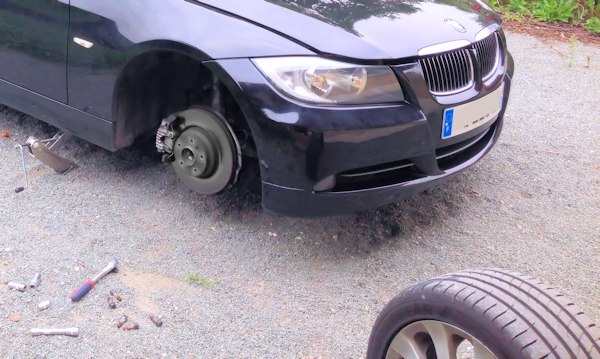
[203, 150]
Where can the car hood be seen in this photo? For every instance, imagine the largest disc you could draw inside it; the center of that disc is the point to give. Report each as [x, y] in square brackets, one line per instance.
[364, 29]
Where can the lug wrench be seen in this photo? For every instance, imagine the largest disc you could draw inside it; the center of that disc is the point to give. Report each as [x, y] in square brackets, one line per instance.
[22, 150]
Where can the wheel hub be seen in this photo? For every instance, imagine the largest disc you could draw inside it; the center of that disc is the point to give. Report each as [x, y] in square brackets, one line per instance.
[197, 152]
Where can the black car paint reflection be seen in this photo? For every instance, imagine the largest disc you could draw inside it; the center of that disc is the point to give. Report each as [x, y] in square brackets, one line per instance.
[314, 159]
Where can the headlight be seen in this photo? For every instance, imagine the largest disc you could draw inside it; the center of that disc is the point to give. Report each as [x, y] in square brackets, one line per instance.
[312, 79]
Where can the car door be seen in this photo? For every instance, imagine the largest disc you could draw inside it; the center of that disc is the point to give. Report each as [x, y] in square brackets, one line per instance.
[33, 45]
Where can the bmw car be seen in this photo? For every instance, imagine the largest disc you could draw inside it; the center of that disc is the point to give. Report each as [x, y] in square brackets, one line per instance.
[341, 105]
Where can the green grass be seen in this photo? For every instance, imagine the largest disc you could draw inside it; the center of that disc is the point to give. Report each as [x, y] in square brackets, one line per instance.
[195, 279]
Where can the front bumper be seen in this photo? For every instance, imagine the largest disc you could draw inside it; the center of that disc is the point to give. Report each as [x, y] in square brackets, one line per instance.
[320, 161]
[300, 203]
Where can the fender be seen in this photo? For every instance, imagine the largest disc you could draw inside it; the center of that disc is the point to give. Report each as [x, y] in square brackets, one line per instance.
[119, 32]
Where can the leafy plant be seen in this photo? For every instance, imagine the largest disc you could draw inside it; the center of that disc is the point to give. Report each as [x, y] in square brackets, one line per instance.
[585, 13]
[554, 10]
[591, 4]
[519, 7]
[496, 5]
[581, 14]
[593, 25]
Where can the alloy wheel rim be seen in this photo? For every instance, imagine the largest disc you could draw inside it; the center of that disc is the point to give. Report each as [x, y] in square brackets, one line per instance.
[431, 339]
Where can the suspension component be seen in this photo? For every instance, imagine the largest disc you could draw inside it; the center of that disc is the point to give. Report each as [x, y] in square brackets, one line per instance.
[165, 137]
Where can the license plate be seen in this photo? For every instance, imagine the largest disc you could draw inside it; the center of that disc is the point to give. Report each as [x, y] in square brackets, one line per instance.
[464, 118]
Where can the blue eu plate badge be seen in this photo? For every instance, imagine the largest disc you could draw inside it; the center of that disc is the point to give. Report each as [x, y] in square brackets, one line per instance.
[447, 126]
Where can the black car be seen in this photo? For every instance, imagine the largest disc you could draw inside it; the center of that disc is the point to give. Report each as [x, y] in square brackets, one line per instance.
[344, 105]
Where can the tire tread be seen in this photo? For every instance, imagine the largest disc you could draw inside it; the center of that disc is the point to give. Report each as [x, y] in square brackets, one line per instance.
[575, 326]
[557, 318]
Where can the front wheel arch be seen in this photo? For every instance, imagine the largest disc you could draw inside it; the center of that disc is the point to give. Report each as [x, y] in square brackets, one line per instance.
[165, 77]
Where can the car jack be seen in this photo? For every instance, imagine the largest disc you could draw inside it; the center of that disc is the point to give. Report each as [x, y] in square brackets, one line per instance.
[43, 150]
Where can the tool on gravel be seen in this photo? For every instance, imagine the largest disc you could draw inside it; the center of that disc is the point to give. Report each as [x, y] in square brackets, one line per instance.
[44, 305]
[124, 318]
[116, 295]
[71, 332]
[130, 325]
[111, 303]
[78, 294]
[16, 286]
[21, 189]
[35, 281]
[43, 150]
[156, 319]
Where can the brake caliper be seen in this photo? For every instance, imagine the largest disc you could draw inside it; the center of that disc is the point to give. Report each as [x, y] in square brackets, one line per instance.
[165, 138]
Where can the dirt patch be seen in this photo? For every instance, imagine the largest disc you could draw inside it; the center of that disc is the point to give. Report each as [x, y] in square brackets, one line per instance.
[555, 32]
[145, 285]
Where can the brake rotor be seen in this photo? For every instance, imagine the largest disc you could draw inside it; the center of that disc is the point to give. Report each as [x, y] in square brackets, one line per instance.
[206, 153]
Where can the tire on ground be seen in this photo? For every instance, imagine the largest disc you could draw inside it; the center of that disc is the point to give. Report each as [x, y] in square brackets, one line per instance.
[513, 315]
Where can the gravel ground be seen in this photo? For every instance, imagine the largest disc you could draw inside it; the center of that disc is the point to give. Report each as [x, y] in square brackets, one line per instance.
[285, 287]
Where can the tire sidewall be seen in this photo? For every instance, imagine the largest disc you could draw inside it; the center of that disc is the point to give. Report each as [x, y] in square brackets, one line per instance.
[407, 309]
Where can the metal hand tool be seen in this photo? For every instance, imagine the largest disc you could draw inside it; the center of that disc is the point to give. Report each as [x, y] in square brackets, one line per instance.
[43, 151]
[16, 286]
[72, 332]
[35, 281]
[78, 294]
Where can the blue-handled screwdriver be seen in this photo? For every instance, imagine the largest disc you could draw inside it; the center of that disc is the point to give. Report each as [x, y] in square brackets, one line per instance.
[78, 294]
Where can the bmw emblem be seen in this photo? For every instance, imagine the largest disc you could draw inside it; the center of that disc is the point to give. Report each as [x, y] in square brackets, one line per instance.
[455, 25]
